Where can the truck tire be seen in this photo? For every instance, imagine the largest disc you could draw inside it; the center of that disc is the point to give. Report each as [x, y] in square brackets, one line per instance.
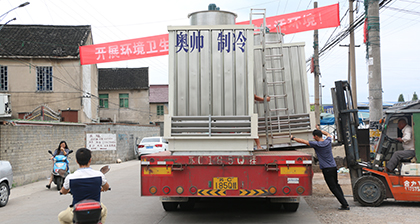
[4, 194]
[291, 207]
[369, 191]
[170, 206]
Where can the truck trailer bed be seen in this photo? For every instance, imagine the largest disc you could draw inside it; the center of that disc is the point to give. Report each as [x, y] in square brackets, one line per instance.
[258, 174]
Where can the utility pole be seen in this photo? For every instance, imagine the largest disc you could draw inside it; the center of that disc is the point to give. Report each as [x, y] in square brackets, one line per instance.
[374, 66]
[352, 56]
[316, 73]
[351, 76]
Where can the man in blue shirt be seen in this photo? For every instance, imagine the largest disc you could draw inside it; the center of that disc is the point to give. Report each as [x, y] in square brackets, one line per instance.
[326, 163]
[85, 183]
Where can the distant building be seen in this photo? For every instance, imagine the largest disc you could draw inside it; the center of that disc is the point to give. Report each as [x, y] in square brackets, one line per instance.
[158, 101]
[124, 95]
[40, 65]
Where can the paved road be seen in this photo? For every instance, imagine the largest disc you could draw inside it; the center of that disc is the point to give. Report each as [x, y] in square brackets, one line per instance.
[33, 203]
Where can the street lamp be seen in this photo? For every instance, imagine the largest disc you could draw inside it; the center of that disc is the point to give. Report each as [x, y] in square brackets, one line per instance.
[20, 6]
[7, 23]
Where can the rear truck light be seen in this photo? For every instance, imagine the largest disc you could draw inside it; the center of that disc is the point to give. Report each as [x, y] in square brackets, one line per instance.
[286, 190]
[158, 145]
[179, 190]
[193, 190]
[300, 190]
[153, 190]
[141, 146]
[272, 190]
[166, 190]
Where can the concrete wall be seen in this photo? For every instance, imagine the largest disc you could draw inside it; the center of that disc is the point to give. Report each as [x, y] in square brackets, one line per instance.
[25, 145]
[138, 99]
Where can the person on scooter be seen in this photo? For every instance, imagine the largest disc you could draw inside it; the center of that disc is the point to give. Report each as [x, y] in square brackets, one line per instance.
[85, 183]
[62, 149]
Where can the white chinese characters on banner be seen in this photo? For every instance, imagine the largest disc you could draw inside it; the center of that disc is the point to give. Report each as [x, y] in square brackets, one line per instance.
[96, 142]
[412, 185]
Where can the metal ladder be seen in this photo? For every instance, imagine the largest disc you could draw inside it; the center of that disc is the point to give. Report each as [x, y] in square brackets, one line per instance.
[274, 86]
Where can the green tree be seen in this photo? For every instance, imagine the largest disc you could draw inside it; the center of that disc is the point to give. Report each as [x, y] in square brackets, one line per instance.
[401, 98]
[415, 96]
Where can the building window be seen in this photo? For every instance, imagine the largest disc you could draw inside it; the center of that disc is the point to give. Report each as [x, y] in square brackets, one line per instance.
[103, 100]
[160, 110]
[3, 78]
[44, 78]
[124, 100]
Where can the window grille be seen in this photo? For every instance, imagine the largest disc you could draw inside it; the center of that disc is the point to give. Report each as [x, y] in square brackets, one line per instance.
[3, 78]
[44, 78]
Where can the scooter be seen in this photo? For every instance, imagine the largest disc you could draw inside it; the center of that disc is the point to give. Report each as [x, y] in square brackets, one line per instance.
[60, 169]
[89, 211]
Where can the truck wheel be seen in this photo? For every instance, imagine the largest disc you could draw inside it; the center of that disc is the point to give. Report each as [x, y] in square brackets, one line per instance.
[291, 207]
[4, 194]
[369, 191]
[170, 206]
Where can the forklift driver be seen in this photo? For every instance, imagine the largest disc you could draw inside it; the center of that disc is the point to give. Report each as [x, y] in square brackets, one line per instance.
[408, 145]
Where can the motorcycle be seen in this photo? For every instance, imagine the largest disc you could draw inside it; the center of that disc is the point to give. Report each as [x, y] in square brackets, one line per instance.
[89, 211]
[60, 169]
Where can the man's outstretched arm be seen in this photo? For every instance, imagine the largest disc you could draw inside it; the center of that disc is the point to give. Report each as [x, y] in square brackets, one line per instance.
[303, 141]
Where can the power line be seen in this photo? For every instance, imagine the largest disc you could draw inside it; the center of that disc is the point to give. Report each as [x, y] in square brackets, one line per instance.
[404, 11]
[343, 34]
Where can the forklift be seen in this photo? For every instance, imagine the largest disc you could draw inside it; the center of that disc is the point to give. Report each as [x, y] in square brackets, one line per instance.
[371, 184]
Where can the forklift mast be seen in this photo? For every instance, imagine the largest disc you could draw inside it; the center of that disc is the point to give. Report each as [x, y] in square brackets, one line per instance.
[347, 121]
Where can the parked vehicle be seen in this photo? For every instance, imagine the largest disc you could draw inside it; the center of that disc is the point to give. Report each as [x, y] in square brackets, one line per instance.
[60, 169]
[151, 145]
[6, 180]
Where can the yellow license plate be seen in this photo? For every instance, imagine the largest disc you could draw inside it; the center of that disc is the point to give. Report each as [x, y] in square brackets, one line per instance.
[225, 183]
[292, 170]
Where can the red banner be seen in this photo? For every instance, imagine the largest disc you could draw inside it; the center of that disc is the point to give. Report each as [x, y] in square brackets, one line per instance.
[313, 19]
[125, 50]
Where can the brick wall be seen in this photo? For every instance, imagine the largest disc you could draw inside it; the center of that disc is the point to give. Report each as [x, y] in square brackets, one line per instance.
[26, 146]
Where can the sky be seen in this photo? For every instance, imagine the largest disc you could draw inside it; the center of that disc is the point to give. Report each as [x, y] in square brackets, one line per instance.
[129, 19]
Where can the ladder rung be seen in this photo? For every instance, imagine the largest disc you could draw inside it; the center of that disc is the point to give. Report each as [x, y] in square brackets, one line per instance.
[278, 96]
[279, 109]
[274, 55]
[278, 82]
[275, 69]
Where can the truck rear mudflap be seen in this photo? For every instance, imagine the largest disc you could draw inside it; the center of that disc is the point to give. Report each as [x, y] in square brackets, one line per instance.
[263, 174]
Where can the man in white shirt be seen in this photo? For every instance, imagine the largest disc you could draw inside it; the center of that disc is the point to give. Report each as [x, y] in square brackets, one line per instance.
[85, 183]
[408, 145]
